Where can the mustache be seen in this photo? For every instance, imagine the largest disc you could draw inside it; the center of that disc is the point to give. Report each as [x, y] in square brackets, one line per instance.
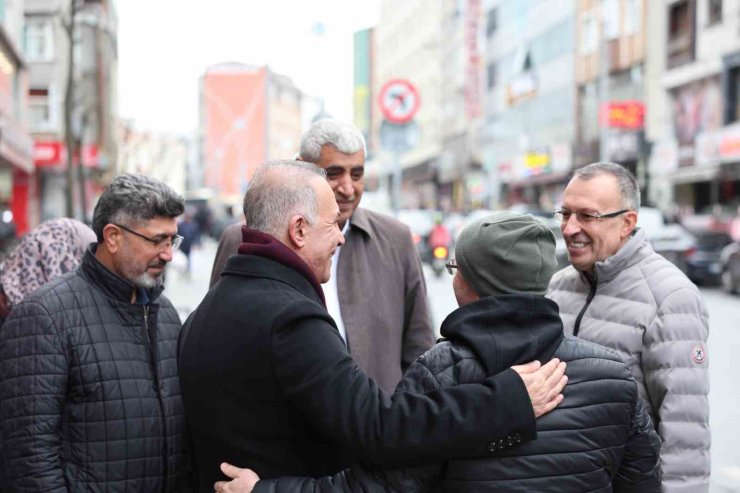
[158, 263]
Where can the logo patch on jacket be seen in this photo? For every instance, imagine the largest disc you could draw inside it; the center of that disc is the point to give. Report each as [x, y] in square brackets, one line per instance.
[698, 354]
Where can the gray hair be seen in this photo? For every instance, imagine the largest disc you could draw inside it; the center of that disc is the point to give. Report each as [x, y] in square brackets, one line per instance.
[344, 137]
[279, 190]
[135, 198]
[628, 187]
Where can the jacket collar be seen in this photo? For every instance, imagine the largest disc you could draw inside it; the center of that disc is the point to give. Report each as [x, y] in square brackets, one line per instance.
[361, 221]
[507, 330]
[113, 285]
[264, 245]
[633, 252]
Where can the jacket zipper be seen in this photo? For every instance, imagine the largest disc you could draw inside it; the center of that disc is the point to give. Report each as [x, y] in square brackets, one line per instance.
[589, 299]
[153, 365]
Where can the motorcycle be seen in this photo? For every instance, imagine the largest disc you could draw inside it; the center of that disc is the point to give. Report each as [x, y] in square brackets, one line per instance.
[440, 255]
[439, 244]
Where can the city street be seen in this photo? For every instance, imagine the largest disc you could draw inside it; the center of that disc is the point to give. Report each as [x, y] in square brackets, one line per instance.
[724, 341]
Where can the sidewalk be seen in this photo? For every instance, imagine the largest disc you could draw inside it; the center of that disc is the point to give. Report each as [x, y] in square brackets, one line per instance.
[187, 291]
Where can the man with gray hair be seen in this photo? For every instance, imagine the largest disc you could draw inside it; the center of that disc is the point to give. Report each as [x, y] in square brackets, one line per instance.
[619, 293]
[267, 380]
[385, 336]
[89, 394]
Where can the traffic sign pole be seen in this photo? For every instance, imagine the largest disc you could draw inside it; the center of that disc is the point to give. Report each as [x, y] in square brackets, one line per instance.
[399, 101]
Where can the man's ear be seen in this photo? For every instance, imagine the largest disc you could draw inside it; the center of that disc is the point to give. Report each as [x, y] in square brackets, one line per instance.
[629, 223]
[112, 237]
[297, 227]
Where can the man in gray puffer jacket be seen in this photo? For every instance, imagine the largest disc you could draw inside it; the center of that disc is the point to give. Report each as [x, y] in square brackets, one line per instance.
[600, 439]
[621, 294]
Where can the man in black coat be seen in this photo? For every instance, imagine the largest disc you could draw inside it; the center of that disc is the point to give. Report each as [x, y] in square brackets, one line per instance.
[600, 439]
[267, 379]
[89, 395]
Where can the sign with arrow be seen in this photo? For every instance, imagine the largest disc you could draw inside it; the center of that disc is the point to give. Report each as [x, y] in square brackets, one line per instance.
[399, 101]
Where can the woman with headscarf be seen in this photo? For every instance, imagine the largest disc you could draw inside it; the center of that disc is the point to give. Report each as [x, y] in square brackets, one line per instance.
[52, 249]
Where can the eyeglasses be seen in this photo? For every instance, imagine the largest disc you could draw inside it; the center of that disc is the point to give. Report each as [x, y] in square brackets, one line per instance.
[563, 215]
[173, 241]
[451, 266]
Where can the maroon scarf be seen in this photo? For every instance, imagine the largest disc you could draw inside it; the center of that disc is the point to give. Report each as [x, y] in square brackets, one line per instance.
[263, 245]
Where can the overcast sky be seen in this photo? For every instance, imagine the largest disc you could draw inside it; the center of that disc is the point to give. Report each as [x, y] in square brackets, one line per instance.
[166, 45]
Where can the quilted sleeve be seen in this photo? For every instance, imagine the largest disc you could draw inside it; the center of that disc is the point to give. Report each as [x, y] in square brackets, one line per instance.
[676, 368]
[418, 379]
[358, 479]
[33, 380]
[326, 385]
[639, 471]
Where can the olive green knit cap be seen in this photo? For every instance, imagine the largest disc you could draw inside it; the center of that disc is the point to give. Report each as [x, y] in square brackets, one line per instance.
[506, 253]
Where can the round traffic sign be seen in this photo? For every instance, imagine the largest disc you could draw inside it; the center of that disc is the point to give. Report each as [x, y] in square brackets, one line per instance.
[399, 101]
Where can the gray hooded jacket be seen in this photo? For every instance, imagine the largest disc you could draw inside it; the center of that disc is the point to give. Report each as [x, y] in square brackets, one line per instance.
[645, 308]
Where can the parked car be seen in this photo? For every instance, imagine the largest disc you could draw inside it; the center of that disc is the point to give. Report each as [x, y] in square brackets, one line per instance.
[522, 208]
[674, 242]
[695, 252]
[470, 219]
[703, 262]
[729, 259]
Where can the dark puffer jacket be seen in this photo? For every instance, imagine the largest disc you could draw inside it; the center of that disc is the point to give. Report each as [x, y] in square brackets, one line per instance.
[600, 439]
[89, 399]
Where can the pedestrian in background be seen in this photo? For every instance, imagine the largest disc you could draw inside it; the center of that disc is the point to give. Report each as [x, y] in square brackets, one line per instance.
[377, 294]
[621, 294]
[599, 439]
[50, 250]
[89, 395]
[190, 232]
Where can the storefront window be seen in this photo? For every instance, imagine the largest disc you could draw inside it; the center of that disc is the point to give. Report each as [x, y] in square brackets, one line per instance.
[734, 95]
[714, 12]
[681, 33]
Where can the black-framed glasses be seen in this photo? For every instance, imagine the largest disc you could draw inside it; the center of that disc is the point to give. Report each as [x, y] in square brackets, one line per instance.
[173, 241]
[451, 266]
[583, 217]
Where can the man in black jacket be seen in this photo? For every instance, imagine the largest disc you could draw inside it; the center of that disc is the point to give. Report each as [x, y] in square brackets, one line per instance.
[600, 439]
[267, 379]
[89, 395]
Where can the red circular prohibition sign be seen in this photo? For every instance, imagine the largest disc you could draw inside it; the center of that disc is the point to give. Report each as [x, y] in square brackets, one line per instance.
[399, 101]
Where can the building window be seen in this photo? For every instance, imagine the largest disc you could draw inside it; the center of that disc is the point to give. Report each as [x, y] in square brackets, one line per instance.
[733, 95]
[612, 18]
[39, 109]
[681, 33]
[491, 75]
[632, 17]
[714, 12]
[491, 22]
[589, 34]
[39, 36]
